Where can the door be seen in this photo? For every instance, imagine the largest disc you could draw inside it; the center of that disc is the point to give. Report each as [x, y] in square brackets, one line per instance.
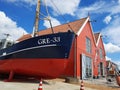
[86, 67]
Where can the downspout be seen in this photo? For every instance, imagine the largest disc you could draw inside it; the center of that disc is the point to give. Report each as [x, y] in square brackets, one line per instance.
[75, 54]
[92, 62]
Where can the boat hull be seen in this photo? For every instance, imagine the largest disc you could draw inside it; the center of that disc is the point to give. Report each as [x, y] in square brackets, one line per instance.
[40, 68]
[43, 56]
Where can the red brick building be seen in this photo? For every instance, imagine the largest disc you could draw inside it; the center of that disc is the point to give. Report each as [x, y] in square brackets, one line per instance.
[100, 61]
[87, 56]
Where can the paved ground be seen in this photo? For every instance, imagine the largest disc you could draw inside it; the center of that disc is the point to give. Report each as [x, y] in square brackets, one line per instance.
[47, 85]
[102, 84]
[58, 84]
[103, 81]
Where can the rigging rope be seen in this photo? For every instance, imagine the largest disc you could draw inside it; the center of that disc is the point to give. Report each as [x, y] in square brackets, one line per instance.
[61, 15]
[48, 16]
[46, 7]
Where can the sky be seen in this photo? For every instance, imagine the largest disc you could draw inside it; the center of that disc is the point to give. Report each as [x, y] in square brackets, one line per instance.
[17, 18]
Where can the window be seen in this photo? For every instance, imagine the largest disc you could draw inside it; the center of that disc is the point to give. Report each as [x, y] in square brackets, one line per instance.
[9, 44]
[88, 45]
[101, 55]
[0, 45]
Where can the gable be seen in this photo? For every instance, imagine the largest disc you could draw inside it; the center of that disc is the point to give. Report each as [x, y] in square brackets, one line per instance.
[87, 32]
[99, 41]
[101, 45]
[97, 35]
[80, 29]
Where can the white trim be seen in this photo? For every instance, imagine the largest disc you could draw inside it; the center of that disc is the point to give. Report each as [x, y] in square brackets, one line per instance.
[80, 30]
[98, 39]
[29, 49]
[93, 34]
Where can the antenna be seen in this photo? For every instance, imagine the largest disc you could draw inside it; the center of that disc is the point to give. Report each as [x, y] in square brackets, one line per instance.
[7, 35]
[88, 14]
[91, 20]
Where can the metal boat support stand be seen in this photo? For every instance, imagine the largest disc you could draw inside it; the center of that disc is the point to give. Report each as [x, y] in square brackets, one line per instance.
[10, 77]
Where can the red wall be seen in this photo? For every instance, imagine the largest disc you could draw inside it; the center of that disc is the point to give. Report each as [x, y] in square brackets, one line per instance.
[98, 60]
[79, 47]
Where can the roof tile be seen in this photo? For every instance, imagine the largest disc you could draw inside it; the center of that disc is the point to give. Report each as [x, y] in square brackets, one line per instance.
[75, 26]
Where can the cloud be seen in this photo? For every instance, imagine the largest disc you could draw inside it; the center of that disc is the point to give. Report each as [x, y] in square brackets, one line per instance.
[94, 8]
[115, 61]
[118, 1]
[30, 2]
[108, 58]
[9, 26]
[71, 7]
[118, 63]
[99, 7]
[112, 31]
[111, 48]
[65, 6]
[107, 19]
[54, 22]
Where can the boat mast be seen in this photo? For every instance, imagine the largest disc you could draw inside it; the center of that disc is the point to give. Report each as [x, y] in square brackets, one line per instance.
[36, 25]
[37, 18]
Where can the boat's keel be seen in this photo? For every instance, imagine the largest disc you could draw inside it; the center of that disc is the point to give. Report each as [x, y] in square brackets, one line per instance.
[10, 77]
